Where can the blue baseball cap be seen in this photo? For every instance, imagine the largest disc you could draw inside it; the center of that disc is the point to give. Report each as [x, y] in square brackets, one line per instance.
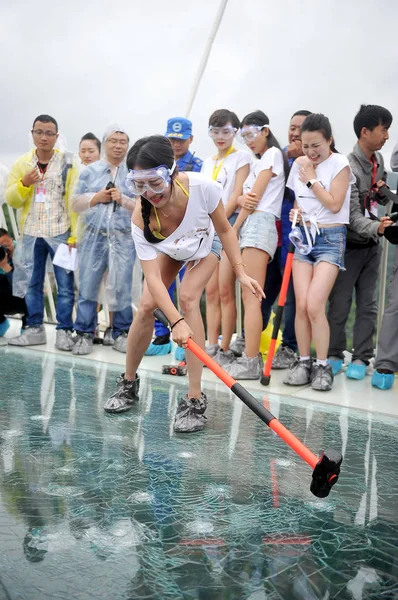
[179, 128]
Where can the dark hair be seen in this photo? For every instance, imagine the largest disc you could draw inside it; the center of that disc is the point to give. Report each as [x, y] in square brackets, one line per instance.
[370, 116]
[223, 116]
[46, 119]
[4, 232]
[301, 113]
[318, 122]
[148, 153]
[259, 118]
[90, 136]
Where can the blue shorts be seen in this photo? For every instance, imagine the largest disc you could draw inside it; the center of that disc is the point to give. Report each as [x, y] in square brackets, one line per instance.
[259, 231]
[329, 247]
[216, 246]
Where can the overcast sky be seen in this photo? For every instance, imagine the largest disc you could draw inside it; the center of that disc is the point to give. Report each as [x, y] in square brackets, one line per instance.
[135, 62]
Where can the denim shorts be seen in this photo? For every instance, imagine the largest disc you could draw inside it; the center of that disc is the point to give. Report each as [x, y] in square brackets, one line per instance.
[259, 231]
[329, 247]
[216, 246]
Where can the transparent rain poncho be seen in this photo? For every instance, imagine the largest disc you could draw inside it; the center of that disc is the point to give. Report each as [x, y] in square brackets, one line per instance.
[105, 243]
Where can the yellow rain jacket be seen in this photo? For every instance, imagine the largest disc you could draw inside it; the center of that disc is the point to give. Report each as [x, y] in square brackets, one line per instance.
[20, 197]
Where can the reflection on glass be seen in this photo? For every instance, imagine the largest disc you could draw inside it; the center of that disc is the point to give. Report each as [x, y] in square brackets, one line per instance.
[104, 506]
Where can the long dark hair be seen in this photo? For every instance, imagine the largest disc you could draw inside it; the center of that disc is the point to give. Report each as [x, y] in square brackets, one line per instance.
[318, 122]
[259, 118]
[148, 153]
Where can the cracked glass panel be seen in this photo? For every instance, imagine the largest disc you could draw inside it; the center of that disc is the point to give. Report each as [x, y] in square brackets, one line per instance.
[97, 506]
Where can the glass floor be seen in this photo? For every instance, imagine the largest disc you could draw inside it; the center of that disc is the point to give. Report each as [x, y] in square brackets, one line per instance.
[96, 506]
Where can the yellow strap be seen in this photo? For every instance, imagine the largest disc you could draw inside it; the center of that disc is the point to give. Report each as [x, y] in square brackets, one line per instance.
[217, 169]
[156, 233]
[182, 187]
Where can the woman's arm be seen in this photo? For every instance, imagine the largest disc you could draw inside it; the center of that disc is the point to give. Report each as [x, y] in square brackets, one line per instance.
[249, 201]
[334, 199]
[240, 177]
[231, 246]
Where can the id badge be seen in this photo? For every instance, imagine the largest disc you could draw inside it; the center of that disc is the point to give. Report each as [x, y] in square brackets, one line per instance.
[40, 194]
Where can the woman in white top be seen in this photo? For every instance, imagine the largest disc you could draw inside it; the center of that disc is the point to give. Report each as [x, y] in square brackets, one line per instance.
[173, 225]
[321, 181]
[261, 206]
[229, 167]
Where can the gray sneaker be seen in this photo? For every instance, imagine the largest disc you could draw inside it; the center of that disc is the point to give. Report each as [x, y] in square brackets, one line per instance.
[108, 339]
[212, 349]
[238, 346]
[224, 358]
[83, 344]
[64, 340]
[284, 358]
[125, 396]
[246, 368]
[299, 373]
[121, 342]
[190, 415]
[322, 377]
[31, 336]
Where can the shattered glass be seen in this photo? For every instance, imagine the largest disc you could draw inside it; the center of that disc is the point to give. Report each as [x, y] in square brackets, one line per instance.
[99, 506]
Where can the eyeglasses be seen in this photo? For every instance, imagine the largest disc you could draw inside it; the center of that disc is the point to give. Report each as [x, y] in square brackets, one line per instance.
[41, 133]
[114, 142]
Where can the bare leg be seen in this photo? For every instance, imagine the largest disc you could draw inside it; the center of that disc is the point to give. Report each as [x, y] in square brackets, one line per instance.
[213, 308]
[191, 290]
[256, 261]
[325, 275]
[228, 301]
[141, 329]
[302, 277]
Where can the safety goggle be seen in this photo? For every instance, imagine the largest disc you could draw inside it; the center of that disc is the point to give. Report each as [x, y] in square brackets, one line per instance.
[155, 180]
[250, 132]
[224, 133]
[297, 238]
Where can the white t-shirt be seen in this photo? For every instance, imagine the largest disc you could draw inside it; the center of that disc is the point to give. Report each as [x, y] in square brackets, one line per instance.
[193, 238]
[227, 173]
[325, 172]
[271, 200]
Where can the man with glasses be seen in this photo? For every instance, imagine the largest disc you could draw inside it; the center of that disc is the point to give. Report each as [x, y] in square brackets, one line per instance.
[106, 244]
[40, 186]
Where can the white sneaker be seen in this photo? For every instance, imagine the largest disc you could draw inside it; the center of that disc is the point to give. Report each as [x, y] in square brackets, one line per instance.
[31, 336]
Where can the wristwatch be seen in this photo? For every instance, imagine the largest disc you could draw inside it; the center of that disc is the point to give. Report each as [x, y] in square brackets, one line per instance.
[311, 182]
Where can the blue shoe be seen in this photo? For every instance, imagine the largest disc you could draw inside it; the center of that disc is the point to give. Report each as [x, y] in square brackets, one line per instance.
[355, 371]
[179, 353]
[158, 349]
[336, 364]
[382, 381]
[4, 327]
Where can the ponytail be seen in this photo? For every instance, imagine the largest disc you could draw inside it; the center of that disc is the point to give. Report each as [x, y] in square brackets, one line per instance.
[146, 208]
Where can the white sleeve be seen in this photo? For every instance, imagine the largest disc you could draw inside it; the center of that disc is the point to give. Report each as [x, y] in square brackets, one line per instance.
[292, 176]
[243, 159]
[145, 250]
[340, 163]
[213, 193]
[272, 159]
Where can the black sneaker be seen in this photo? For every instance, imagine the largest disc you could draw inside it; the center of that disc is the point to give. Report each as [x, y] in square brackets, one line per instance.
[160, 340]
[125, 396]
[322, 377]
[190, 415]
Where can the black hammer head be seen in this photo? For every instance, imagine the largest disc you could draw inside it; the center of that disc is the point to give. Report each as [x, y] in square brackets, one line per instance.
[326, 473]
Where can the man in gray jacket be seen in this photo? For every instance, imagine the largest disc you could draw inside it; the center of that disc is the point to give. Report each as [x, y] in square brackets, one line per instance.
[387, 345]
[363, 251]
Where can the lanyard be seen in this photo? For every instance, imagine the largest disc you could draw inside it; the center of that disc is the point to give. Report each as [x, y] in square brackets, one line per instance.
[217, 169]
[42, 171]
[374, 171]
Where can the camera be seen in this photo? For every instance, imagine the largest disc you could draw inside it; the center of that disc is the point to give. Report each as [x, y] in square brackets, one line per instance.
[4, 252]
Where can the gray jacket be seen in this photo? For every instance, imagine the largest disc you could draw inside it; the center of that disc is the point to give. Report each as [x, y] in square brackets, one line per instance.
[362, 229]
[394, 159]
